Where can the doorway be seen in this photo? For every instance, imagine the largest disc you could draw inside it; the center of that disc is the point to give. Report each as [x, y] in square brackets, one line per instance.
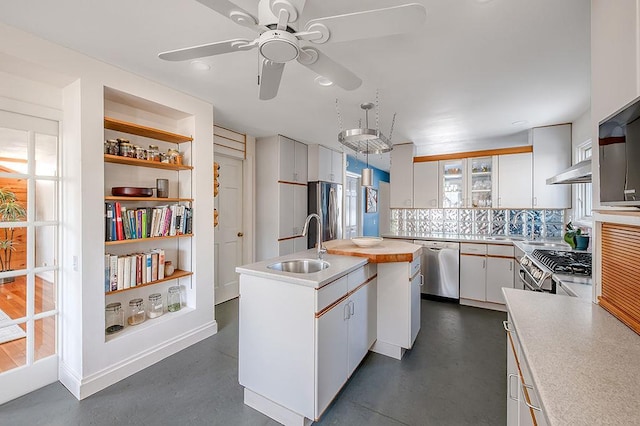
[29, 224]
[228, 234]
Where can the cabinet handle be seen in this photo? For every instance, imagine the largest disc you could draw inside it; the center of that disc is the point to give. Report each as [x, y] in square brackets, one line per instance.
[509, 386]
[507, 326]
[346, 311]
[353, 308]
[499, 201]
[529, 387]
[421, 280]
[295, 177]
[511, 266]
[484, 263]
[535, 201]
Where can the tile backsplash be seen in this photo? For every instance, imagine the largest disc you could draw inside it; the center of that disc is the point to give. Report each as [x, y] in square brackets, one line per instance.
[543, 223]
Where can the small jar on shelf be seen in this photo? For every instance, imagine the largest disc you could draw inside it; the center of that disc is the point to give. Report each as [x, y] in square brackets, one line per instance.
[141, 153]
[111, 147]
[136, 312]
[156, 307]
[153, 154]
[114, 318]
[174, 299]
[125, 148]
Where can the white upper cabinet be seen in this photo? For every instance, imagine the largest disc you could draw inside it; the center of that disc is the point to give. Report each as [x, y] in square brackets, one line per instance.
[293, 160]
[514, 181]
[551, 155]
[482, 185]
[325, 164]
[402, 176]
[425, 185]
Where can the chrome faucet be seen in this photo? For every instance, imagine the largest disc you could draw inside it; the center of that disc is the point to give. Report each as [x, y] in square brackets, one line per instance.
[531, 216]
[321, 250]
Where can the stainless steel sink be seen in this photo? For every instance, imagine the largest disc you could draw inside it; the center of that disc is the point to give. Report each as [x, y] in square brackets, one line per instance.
[300, 266]
[546, 244]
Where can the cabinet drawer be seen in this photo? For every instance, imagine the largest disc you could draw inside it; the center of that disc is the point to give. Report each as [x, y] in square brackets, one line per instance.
[355, 278]
[415, 267]
[500, 250]
[331, 292]
[468, 248]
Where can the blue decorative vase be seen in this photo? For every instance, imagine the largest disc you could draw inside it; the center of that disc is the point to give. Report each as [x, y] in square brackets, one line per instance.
[582, 242]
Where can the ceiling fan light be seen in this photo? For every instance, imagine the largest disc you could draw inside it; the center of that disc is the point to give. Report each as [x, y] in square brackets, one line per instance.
[200, 66]
[278, 46]
[323, 81]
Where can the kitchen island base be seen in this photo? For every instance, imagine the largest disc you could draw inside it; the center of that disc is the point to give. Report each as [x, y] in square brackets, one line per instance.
[276, 411]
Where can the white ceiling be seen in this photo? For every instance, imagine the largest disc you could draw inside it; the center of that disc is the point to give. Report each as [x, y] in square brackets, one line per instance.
[461, 81]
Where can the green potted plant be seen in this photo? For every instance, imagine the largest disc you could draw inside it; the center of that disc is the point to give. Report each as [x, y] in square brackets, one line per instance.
[10, 211]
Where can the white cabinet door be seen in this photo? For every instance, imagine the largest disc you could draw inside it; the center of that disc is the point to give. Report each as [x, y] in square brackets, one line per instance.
[414, 303]
[285, 247]
[331, 354]
[324, 164]
[499, 275]
[402, 176]
[472, 277]
[337, 167]
[287, 159]
[359, 323]
[528, 415]
[514, 181]
[300, 172]
[299, 244]
[425, 185]
[286, 216]
[299, 207]
[513, 381]
[551, 155]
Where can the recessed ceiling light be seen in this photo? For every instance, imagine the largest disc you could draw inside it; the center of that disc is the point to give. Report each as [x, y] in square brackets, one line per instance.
[200, 66]
[323, 81]
[519, 122]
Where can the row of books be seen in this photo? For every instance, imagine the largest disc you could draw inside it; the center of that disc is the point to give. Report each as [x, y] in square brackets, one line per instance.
[131, 270]
[122, 223]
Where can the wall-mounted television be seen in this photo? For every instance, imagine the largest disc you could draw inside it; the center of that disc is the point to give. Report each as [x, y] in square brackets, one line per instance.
[619, 154]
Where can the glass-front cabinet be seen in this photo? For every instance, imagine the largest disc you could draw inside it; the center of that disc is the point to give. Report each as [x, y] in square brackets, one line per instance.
[468, 182]
[453, 183]
[481, 182]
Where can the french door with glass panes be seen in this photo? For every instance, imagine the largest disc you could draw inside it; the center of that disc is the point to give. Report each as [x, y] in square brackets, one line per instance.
[29, 215]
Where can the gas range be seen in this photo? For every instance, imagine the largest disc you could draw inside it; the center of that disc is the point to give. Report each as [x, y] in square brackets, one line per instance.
[537, 268]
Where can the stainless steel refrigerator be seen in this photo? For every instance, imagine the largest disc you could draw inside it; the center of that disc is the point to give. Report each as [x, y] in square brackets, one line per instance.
[325, 199]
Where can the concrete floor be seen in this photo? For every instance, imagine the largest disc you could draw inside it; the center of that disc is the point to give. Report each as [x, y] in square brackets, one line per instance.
[454, 375]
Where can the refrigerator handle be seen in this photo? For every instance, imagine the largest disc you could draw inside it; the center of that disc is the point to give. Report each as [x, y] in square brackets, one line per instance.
[332, 207]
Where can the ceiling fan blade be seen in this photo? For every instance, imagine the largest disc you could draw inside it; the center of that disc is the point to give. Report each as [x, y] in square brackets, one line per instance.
[321, 64]
[235, 13]
[369, 23]
[270, 77]
[209, 49]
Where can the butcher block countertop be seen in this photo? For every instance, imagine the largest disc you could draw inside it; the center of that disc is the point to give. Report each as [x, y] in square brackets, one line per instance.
[387, 251]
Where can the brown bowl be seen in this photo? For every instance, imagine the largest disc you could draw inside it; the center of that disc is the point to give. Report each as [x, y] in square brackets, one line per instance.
[130, 191]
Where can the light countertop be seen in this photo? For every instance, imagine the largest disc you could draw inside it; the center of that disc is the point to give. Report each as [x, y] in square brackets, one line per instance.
[585, 364]
[461, 238]
[385, 252]
[339, 266]
[577, 286]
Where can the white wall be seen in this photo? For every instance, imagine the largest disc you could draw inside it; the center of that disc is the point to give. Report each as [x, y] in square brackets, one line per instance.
[580, 131]
[75, 83]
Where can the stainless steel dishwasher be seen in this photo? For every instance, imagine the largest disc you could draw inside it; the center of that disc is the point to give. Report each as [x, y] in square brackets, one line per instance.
[440, 268]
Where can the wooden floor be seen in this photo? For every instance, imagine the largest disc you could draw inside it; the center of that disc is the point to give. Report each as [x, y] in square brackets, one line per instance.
[13, 301]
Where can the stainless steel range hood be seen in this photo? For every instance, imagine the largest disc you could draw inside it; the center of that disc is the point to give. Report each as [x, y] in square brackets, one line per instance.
[578, 173]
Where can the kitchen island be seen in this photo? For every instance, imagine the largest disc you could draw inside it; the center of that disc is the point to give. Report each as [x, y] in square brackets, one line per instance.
[579, 363]
[302, 335]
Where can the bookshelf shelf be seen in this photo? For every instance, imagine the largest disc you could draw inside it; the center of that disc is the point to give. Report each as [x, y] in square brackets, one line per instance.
[150, 199]
[178, 273]
[117, 159]
[141, 240]
[147, 132]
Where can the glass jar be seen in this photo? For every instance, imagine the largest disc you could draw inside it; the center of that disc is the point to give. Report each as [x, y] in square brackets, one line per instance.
[169, 269]
[126, 148]
[141, 153]
[156, 308]
[173, 156]
[164, 158]
[174, 299]
[153, 154]
[136, 312]
[111, 147]
[114, 318]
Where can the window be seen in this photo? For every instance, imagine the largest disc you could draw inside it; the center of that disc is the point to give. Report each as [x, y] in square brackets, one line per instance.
[583, 191]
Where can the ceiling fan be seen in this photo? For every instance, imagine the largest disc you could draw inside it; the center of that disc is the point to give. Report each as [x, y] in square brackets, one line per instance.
[279, 39]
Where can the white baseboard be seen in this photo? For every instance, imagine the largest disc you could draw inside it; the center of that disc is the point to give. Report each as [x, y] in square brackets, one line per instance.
[388, 349]
[484, 305]
[276, 411]
[86, 386]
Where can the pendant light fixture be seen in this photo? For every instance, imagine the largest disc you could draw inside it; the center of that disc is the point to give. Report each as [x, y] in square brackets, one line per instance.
[366, 140]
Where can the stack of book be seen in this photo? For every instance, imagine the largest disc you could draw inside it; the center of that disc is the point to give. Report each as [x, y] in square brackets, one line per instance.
[146, 222]
[131, 270]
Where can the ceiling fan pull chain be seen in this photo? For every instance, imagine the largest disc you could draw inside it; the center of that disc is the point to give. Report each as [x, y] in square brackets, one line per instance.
[393, 122]
[339, 116]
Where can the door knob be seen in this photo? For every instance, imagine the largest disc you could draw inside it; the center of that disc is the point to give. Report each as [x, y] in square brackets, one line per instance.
[240, 234]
